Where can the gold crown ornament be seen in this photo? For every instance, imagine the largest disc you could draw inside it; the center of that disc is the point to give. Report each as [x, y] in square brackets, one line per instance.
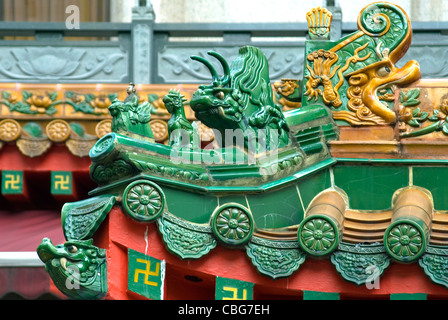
[319, 23]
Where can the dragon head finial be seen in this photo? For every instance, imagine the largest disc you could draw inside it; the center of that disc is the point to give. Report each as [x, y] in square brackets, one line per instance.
[77, 267]
[241, 99]
[355, 76]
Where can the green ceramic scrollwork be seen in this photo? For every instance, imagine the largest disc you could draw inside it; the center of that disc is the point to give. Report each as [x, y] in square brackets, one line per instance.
[81, 219]
[103, 146]
[185, 239]
[274, 258]
[360, 263]
[379, 19]
[171, 171]
[435, 264]
[232, 224]
[318, 235]
[143, 200]
[77, 268]
[111, 171]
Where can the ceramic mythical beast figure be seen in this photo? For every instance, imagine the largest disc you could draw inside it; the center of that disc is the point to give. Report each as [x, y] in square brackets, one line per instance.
[178, 124]
[77, 268]
[241, 99]
[349, 80]
[354, 75]
[130, 117]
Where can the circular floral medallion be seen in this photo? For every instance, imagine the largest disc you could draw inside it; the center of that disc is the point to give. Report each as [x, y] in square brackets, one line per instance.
[143, 200]
[10, 130]
[103, 128]
[160, 130]
[404, 241]
[232, 224]
[58, 130]
[318, 235]
[206, 134]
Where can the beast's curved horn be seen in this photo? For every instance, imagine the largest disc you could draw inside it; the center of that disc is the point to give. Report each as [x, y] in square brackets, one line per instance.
[208, 65]
[223, 61]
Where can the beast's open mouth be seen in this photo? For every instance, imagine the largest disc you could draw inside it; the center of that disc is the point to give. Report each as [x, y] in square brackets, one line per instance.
[47, 252]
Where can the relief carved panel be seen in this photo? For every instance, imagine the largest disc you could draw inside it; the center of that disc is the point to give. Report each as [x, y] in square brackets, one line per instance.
[63, 64]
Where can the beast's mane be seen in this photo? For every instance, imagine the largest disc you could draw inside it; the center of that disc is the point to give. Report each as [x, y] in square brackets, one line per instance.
[250, 75]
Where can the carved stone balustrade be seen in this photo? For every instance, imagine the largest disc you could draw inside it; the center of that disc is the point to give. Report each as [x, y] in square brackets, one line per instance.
[144, 51]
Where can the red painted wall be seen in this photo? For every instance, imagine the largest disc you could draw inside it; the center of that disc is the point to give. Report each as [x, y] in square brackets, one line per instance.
[119, 232]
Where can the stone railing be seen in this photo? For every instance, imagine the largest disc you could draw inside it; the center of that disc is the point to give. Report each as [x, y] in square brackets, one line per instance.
[146, 52]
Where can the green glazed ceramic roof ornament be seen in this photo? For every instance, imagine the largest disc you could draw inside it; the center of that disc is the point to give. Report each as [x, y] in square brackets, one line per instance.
[241, 99]
[346, 74]
[143, 200]
[272, 189]
[77, 268]
[181, 132]
[81, 219]
[130, 117]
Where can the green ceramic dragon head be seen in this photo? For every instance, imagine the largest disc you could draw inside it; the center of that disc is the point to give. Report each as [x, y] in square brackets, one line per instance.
[240, 99]
[77, 268]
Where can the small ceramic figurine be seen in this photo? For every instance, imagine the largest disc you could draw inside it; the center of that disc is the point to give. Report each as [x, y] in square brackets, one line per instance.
[130, 116]
[181, 132]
